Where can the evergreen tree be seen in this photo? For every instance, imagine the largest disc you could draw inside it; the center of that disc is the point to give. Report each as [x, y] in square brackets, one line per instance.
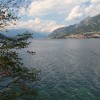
[11, 65]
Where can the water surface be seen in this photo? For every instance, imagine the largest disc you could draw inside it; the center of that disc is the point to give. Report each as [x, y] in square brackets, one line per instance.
[70, 68]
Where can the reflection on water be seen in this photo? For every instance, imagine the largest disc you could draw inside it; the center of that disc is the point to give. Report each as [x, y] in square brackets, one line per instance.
[70, 69]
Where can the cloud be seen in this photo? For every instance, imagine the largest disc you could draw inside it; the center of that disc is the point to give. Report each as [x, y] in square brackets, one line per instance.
[22, 11]
[93, 9]
[73, 9]
[37, 25]
[75, 13]
[45, 7]
[62, 11]
[95, 1]
[84, 10]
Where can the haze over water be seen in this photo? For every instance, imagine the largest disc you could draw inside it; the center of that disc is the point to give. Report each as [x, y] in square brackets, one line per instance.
[70, 68]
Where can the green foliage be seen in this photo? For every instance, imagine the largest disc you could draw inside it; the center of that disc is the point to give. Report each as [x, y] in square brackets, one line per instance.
[19, 91]
[10, 63]
[9, 11]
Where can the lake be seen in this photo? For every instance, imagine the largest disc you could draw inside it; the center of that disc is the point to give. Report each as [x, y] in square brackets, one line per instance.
[70, 68]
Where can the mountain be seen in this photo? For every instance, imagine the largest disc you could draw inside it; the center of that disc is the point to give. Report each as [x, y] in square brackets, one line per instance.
[88, 25]
[13, 32]
[62, 32]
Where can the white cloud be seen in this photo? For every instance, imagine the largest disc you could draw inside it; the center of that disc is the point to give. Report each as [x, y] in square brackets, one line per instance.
[71, 10]
[93, 9]
[75, 13]
[95, 1]
[37, 25]
[40, 7]
[22, 11]
[44, 7]
[81, 11]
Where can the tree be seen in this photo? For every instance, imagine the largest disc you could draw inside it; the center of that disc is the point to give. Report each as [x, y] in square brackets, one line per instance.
[10, 62]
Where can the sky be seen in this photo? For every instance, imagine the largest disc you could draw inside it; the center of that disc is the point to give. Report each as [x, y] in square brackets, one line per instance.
[47, 15]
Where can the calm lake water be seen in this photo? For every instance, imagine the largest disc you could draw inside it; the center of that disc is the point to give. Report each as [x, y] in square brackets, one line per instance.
[70, 68]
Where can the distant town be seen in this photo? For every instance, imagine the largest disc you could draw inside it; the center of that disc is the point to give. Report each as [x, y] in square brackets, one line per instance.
[85, 35]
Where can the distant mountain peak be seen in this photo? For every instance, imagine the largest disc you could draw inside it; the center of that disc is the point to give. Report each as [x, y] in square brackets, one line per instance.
[89, 24]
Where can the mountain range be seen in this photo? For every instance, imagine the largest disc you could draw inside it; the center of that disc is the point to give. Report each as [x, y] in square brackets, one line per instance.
[13, 32]
[88, 25]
